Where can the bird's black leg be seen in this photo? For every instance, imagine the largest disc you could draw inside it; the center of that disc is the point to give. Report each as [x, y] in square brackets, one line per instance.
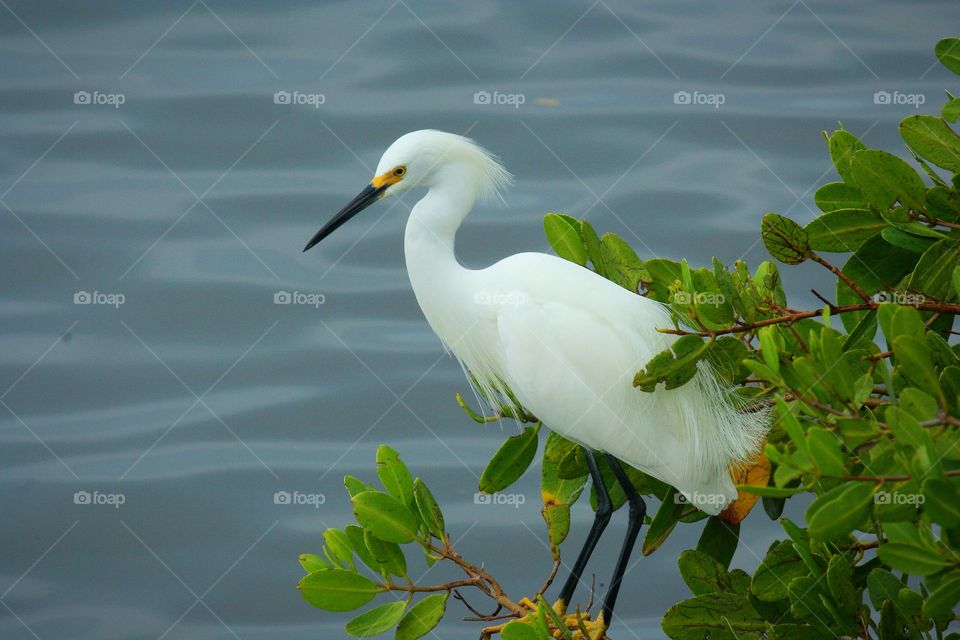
[638, 509]
[600, 520]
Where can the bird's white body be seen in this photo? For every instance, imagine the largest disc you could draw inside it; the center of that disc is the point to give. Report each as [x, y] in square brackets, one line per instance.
[565, 341]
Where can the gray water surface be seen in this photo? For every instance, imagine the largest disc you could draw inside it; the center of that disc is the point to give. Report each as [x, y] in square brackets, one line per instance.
[198, 398]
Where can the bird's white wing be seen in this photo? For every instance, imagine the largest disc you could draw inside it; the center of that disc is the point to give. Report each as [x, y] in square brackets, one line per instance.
[574, 369]
[569, 351]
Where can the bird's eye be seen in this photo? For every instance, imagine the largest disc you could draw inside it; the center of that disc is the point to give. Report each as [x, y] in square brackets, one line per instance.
[399, 171]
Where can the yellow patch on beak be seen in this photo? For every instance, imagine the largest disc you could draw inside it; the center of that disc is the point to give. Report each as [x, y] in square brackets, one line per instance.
[390, 177]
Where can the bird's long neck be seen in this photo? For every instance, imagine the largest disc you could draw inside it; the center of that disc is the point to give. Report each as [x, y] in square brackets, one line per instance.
[438, 279]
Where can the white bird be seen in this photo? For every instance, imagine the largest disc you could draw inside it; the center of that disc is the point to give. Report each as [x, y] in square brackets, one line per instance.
[563, 340]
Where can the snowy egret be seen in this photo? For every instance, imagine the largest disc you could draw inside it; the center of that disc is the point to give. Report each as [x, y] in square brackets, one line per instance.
[561, 340]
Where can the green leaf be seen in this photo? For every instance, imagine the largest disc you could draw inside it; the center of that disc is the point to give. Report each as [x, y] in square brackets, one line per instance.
[377, 620]
[388, 555]
[674, 366]
[843, 145]
[385, 516]
[910, 242]
[719, 540]
[914, 362]
[357, 538]
[807, 603]
[770, 492]
[933, 274]
[429, 509]
[883, 178]
[840, 581]
[355, 485]
[825, 452]
[558, 493]
[623, 265]
[933, 139]
[337, 589]
[510, 461]
[727, 356]
[784, 239]
[843, 229]
[422, 617]
[394, 475]
[591, 241]
[663, 522]
[951, 110]
[718, 616]
[339, 545]
[912, 559]
[563, 234]
[941, 502]
[312, 562]
[943, 203]
[941, 602]
[839, 195]
[882, 585]
[518, 630]
[948, 52]
[703, 574]
[874, 266]
[839, 511]
[781, 565]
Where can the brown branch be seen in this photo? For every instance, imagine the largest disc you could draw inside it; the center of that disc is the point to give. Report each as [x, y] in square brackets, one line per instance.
[450, 586]
[840, 274]
[549, 580]
[478, 577]
[790, 318]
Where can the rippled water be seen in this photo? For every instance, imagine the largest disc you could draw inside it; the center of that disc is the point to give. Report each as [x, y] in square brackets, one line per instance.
[198, 398]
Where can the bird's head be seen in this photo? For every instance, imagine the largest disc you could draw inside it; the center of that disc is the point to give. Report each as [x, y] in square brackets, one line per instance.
[424, 159]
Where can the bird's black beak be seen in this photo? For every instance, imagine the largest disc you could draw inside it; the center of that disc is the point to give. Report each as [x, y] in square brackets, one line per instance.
[364, 199]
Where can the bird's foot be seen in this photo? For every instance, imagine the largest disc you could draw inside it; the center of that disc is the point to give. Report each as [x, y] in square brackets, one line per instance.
[582, 627]
[578, 625]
